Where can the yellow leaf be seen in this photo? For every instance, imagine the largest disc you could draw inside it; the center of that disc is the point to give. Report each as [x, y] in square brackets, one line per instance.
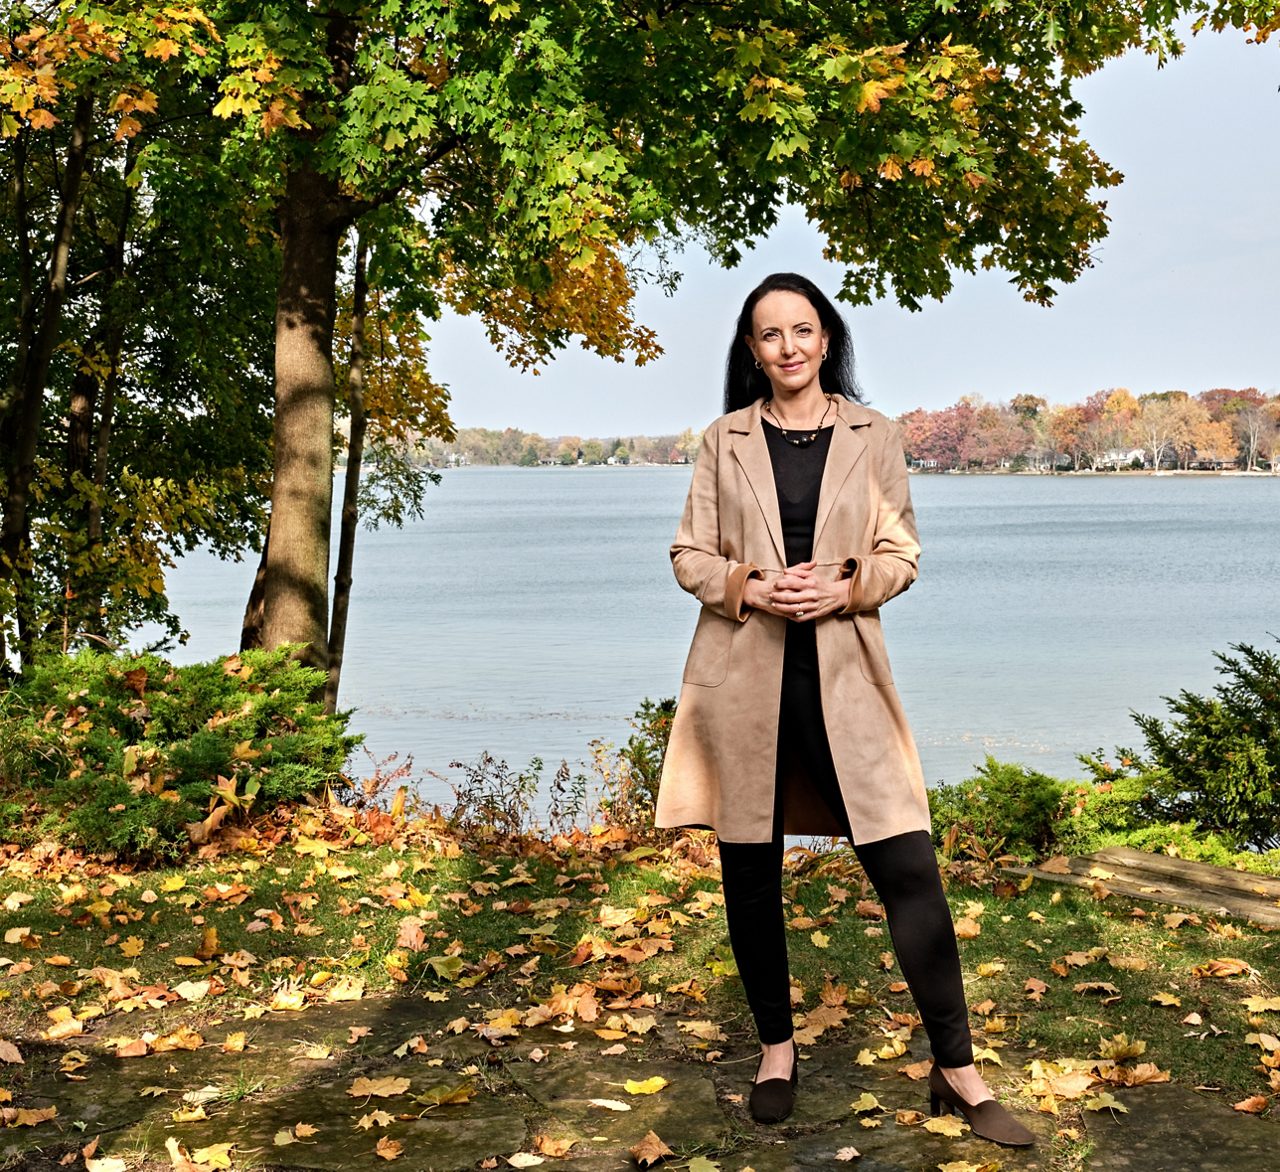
[189, 1114]
[345, 989]
[381, 1088]
[234, 1043]
[650, 1086]
[820, 940]
[609, 1104]
[1166, 999]
[132, 947]
[214, 1156]
[951, 1125]
[866, 1102]
[173, 883]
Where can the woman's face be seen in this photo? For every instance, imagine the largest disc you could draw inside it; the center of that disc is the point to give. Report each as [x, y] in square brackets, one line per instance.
[788, 341]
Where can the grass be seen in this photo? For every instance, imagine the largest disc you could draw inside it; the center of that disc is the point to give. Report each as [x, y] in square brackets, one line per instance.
[508, 922]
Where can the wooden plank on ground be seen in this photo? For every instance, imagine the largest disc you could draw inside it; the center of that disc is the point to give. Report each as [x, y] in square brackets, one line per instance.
[1137, 874]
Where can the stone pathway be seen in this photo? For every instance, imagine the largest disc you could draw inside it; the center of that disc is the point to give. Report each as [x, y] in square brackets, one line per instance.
[1162, 879]
[545, 1082]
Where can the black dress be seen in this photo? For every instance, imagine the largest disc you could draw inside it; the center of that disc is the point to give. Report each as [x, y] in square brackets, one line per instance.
[804, 754]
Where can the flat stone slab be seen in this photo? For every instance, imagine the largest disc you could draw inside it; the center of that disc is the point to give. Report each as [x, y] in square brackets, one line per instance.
[685, 1111]
[1144, 875]
[1171, 1129]
[437, 1139]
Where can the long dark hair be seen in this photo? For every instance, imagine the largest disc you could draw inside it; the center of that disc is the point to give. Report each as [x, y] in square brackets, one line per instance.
[744, 382]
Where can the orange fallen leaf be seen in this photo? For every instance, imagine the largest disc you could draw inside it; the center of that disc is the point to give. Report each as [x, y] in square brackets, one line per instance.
[1253, 1105]
[388, 1148]
[650, 1150]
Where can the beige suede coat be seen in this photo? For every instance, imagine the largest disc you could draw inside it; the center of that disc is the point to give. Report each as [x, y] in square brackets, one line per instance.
[721, 759]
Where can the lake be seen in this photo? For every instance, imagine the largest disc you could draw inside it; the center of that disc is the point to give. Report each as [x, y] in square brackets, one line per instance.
[531, 610]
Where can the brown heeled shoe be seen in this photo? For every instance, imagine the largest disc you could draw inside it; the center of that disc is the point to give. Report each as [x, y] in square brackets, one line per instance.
[988, 1119]
[774, 1099]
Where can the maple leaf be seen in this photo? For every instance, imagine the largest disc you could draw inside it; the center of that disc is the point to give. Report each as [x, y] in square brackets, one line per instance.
[1253, 1105]
[1261, 1004]
[379, 1117]
[1105, 1102]
[844, 1155]
[445, 1095]
[544, 1145]
[1072, 1084]
[1226, 967]
[345, 989]
[178, 1156]
[967, 928]
[381, 1088]
[214, 1156]
[951, 1125]
[1167, 999]
[708, 1031]
[650, 1150]
[388, 1148]
[1120, 1047]
[866, 1102]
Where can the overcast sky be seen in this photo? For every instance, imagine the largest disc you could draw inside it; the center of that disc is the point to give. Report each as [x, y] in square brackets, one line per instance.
[1184, 294]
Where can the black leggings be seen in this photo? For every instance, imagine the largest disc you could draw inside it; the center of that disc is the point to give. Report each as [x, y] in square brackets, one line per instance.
[902, 869]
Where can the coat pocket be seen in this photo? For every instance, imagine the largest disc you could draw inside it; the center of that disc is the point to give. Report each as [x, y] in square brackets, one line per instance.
[708, 662]
[871, 650]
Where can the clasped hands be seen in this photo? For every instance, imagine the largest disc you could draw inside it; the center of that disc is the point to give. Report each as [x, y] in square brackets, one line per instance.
[797, 594]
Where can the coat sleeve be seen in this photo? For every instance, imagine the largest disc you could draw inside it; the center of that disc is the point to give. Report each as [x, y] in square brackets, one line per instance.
[716, 581]
[892, 564]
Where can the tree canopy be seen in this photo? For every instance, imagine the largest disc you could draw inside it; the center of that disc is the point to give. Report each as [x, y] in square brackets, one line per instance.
[183, 184]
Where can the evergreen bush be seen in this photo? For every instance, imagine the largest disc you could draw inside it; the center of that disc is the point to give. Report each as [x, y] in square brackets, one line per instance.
[1216, 764]
[123, 753]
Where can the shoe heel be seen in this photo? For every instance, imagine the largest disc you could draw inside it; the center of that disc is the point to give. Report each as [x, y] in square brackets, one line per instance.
[935, 1104]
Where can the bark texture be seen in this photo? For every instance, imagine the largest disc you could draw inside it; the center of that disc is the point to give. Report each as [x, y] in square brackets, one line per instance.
[351, 484]
[295, 590]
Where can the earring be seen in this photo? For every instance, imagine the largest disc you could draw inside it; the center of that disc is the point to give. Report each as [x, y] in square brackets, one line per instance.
[758, 366]
[824, 357]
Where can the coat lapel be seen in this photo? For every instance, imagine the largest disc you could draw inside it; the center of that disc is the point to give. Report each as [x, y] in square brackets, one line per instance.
[848, 443]
[751, 450]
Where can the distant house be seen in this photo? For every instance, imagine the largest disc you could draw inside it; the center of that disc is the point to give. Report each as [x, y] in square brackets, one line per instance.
[676, 456]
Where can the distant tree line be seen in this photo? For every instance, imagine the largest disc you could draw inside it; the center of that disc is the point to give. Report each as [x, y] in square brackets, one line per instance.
[482, 445]
[1215, 429]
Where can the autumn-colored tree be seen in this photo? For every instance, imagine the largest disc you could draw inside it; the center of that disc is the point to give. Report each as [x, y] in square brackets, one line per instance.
[1214, 442]
[1249, 425]
[1065, 433]
[920, 139]
[1160, 427]
[105, 351]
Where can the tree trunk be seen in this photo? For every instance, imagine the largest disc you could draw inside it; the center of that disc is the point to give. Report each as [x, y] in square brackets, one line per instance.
[295, 590]
[255, 610]
[15, 532]
[351, 483]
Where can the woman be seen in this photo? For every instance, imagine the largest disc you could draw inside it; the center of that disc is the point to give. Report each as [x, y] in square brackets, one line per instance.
[798, 527]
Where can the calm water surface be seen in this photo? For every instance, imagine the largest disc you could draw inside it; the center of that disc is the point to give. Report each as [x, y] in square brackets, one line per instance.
[532, 609]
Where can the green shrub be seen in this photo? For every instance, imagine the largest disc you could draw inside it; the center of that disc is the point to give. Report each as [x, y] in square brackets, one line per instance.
[121, 752]
[631, 778]
[1216, 764]
[1003, 802]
